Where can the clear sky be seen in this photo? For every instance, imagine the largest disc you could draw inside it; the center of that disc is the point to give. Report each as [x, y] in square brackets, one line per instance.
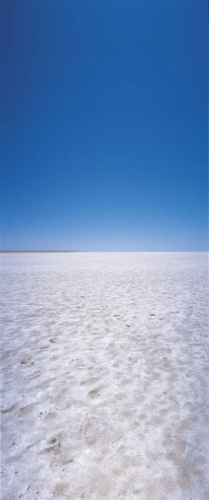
[104, 120]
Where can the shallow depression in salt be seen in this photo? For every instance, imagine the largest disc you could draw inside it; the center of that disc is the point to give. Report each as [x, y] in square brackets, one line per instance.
[105, 376]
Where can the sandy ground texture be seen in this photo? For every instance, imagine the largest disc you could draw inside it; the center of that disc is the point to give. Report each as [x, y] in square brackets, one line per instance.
[105, 376]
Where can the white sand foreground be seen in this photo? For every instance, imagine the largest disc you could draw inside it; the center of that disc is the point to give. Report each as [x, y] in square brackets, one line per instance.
[105, 376]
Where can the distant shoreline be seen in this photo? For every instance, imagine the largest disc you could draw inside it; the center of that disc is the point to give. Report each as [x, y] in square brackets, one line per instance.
[40, 251]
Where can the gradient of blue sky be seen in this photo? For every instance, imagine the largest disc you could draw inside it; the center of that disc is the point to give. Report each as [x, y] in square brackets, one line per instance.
[104, 124]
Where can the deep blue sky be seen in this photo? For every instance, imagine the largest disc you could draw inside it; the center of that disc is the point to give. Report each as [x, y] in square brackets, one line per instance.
[104, 124]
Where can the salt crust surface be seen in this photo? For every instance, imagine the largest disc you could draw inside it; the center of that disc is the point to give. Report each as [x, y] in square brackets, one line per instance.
[105, 376]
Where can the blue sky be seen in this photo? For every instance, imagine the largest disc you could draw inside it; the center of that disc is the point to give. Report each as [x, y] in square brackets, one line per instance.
[104, 125]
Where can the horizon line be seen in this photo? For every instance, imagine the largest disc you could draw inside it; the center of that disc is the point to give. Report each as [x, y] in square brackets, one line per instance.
[101, 251]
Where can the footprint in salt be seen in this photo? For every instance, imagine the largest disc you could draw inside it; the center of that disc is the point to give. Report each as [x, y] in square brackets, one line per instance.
[8, 409]
[93, 394]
